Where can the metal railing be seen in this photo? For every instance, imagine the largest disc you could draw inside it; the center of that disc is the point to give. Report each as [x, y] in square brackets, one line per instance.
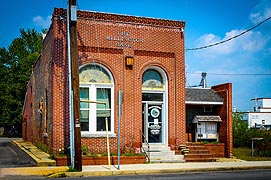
[147, 153]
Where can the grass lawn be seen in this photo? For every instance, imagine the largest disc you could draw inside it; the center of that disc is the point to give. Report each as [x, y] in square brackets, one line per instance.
[245, 154]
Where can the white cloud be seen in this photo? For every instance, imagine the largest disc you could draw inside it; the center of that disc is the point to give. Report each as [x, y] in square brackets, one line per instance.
[237, 56]
[41, 22]
[261, 12]
[246, 54]
[250, 42]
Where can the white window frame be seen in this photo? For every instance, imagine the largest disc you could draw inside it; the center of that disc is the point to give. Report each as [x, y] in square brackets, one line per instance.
[92, 87]
[164, 91]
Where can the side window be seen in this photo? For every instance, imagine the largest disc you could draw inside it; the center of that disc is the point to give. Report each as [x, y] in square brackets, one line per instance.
[84, 109]
[96, 97]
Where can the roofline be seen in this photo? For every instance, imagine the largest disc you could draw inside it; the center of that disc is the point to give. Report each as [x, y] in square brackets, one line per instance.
[203, 103]
[259, 98]
[255, 112]
[120, 18]
[197, 87]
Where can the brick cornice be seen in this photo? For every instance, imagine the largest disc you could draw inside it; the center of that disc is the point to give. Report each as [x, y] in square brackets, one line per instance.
[116, 18]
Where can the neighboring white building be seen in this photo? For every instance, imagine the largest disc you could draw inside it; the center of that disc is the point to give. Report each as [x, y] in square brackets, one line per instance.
[261, 115]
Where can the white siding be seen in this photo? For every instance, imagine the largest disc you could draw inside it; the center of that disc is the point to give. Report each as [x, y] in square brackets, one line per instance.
[258, 118]
[266, 103]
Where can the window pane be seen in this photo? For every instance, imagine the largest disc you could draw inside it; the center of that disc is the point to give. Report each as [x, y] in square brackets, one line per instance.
[103, 95]
[211, 128]
[152, 97]
[152, 80]
[84, 96]
[94, 74]
[101, 126]
[103, 113]
[84, 119]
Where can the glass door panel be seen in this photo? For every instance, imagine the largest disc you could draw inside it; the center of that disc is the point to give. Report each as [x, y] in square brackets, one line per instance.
[154, 123]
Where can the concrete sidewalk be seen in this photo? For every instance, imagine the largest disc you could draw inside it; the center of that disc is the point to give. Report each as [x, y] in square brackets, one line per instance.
[50, 170]
[135, 169]
[158, 168]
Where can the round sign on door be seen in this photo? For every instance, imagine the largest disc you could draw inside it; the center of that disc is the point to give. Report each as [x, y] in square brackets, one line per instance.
[154, 124]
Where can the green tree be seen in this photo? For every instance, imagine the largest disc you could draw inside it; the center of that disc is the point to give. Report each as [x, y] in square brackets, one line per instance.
[4, 68]
[242, 136]
[16, 67]
[240, 131]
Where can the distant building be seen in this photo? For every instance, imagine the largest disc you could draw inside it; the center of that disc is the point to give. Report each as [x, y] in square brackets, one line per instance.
[260, 117]
[201, 114]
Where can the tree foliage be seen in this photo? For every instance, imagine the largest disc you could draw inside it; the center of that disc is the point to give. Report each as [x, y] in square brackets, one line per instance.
[15, 69]
[240, 131]
[243, 136]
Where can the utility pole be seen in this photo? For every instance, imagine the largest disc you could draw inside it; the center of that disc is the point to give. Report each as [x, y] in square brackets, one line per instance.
[75, 84]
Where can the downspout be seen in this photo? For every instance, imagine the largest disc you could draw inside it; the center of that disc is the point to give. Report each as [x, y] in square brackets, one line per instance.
[175, 99]
[72, 150]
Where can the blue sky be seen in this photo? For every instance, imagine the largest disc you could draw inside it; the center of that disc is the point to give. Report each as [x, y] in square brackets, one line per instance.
[242, 61]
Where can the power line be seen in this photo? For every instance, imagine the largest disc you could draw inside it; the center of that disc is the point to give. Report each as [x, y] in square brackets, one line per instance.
[236, 74]
[231, 38]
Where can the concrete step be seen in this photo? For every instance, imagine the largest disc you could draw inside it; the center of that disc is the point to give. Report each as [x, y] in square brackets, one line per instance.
[159, 154]
[164, 158]
[155, 148]
[174, 157]
[162, 153]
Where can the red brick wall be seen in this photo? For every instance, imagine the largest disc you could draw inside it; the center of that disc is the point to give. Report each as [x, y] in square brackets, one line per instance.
[161, 47]
[60, 89]
[225, 136]
[218, 150]
[27, 113]
[155, 42]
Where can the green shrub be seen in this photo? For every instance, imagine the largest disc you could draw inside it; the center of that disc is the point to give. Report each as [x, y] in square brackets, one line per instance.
[43, 147]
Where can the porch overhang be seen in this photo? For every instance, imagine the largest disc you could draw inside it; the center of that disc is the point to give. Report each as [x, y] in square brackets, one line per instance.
[206, 118]
[203, 103]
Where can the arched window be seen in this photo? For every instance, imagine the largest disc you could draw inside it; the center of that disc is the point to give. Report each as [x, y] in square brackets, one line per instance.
[152, 80]
[96, 98]
[153, 85]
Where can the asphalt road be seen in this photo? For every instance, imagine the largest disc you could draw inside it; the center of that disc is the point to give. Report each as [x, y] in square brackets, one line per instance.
[227, 175]
[12, 156]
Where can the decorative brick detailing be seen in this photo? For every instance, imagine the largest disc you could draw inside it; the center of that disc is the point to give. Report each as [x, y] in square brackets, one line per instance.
[99, 50]
[154, 54]
[105, 17]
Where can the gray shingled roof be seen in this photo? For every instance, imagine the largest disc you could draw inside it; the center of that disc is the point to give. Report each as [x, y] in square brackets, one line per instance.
[202, 95]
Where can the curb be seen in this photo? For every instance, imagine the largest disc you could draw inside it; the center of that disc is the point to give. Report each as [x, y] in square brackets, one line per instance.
[158, 171]
[39, 161]
[62, 171]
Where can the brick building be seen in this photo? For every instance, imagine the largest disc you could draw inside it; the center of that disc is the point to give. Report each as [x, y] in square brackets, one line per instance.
[143, 57]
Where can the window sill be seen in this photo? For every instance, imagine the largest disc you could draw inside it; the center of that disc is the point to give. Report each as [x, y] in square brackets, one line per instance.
[103, 135]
